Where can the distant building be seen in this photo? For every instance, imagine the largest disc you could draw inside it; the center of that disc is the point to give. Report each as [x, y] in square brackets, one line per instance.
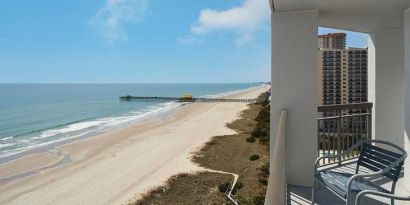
[343, 77]
[332, 41]
[343, 71]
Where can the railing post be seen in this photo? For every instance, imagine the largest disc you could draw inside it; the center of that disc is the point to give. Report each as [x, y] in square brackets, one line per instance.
[369, 123]
[339, 135]
[318, 138]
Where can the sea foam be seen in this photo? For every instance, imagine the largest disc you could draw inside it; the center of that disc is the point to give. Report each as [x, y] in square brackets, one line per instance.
[83, 128]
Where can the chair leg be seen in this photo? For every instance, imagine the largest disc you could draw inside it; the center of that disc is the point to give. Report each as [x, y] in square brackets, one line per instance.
[351, 200]
[392, 202]
[313, 193]
[348, 199]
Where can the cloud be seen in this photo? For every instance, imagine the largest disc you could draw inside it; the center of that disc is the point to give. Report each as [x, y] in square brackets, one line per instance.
[243, 20]
[111, 18]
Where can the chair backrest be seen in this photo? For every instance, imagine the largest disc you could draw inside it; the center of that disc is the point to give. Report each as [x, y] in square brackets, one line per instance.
[377, 158]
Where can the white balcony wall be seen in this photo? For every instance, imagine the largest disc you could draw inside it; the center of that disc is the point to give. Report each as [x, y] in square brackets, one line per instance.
[407, 95]
[386, 84]
[294, 86]
[371, 77]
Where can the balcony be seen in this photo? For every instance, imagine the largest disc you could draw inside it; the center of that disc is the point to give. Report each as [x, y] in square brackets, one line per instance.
[339, 129]
[295, 82]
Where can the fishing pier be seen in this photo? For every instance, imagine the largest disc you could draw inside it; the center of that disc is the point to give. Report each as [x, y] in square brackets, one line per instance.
[184, 99]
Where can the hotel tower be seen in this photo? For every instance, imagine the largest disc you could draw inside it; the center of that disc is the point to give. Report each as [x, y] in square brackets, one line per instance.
[343, 78]
[343, 71]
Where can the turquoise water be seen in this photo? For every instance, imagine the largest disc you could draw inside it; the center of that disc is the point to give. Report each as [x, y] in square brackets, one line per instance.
[32, 115]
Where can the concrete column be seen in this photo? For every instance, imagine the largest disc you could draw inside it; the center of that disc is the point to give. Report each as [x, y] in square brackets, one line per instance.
[407, 96]
[371, 77]
[386, 84]
[295, 87]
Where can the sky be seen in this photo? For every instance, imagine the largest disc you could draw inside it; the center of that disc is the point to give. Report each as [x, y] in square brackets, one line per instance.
[137, 41]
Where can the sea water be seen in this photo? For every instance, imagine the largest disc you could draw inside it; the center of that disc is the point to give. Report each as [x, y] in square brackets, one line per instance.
[35, 115]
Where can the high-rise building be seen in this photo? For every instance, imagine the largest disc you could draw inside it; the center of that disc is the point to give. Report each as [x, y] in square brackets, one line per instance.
[343, 79]
[332, 41]
[343, 73]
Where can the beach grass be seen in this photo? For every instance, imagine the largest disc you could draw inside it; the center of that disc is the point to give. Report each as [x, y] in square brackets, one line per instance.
[228, 153]
[200, 188]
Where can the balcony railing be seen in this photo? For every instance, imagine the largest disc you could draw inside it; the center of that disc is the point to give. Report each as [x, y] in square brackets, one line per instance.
[276, 193]
[341, 127]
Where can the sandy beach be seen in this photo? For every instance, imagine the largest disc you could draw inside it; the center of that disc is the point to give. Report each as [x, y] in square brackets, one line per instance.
[118, 166]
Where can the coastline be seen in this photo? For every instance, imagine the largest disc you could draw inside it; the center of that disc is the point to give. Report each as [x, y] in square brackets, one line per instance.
[160, 110]
[112, 168]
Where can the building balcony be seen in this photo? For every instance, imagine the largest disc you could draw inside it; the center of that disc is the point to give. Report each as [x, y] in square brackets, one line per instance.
[340, 128]
[295, 84]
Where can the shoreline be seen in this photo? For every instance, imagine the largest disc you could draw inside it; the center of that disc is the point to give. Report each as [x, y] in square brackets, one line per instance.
[114, 166]
[145, 117]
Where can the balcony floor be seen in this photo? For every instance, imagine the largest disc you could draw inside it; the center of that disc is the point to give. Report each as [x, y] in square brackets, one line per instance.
[298, 195]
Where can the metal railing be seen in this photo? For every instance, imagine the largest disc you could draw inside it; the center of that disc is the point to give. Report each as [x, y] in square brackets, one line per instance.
[276, 193]
[340, 127]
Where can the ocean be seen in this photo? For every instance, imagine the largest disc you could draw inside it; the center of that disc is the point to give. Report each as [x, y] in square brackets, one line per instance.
[35, 115]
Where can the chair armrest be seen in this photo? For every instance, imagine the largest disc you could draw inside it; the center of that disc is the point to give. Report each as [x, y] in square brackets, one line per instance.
[354, 177]
[320, 158]
[373, 174]
[382, 194]
[380, 172]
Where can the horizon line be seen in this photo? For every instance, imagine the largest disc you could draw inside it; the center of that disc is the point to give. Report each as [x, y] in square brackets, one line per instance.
[109, 83]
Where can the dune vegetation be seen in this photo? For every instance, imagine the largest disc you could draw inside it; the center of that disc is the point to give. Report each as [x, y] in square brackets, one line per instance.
[245, 153]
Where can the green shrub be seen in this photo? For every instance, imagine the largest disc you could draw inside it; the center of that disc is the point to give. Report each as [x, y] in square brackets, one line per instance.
[264, 140]
[259, 200]
[263, 181]
[238, 185]
[251, 139]
[223, 187]
[263, 99]
[264, 115]
[265, 102]
[264, 170]
[262, 128]
[254, 157]
[259, 132]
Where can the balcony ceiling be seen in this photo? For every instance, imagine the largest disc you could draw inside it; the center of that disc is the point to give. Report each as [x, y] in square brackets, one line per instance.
[357, 15]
